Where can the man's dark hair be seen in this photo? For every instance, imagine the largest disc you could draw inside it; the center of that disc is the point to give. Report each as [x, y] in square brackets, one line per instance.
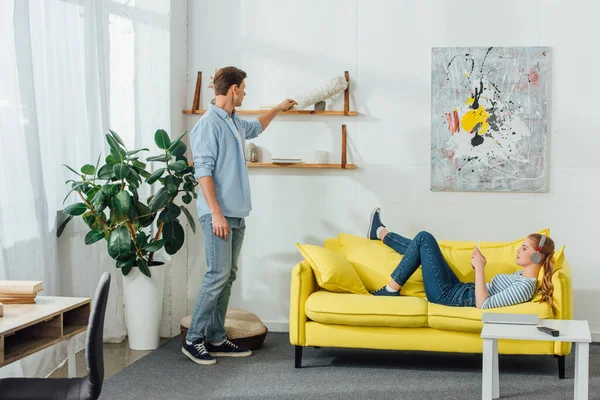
[226, 77]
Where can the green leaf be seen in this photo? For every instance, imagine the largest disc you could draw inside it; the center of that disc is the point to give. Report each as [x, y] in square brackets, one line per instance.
[145, 216]
[88, 169]
[174, 235]
[119, 243]
[159, 200]
[190, 178]
[155, 176]
[189, 218]
[134, 175]
[143, 172]
[177, 165]
[170, 213]
[161, 138]
[110, 189]
[133, 184]
[94, 223]
[98, 161]
[110, 160]
[140, 239]
[106, 172]
[182, 158]
[154, 246]
[189, 186]
[125, 262]
[143, 266]
[121, 171]
[187, 198]
[195, 195]
[132, 152]
[62, 226]
[113, 143]
[116, 216]
[93, 237]
[179, 150]
[172, 183]
[138, 164]
[159, 158]
[75, 209]
[117, 137]
[116, 150]
[75, 172]
[175, 143]
[122, 201]
[127, 269]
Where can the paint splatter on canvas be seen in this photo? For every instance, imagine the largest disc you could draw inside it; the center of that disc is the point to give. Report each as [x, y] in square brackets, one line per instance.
[488, 119]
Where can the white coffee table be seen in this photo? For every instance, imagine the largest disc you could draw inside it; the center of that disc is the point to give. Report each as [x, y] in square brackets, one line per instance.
[577, 332]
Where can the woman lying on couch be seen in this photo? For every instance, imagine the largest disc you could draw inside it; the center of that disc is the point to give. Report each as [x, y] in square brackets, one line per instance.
[443, 287]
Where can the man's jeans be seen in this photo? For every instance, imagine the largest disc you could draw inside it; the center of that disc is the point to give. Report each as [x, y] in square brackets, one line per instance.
[222, 265]
[441, 284]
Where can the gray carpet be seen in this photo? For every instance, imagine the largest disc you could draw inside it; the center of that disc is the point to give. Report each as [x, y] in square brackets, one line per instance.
[329, 373]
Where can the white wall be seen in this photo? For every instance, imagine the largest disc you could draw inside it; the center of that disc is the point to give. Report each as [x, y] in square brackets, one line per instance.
[286, 47]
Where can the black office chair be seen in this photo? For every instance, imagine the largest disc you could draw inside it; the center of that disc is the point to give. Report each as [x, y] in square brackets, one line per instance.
[85, 388]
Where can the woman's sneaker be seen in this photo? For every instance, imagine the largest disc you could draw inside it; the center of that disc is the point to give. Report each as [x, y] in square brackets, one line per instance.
[227, 349]
[196, 351]
[384, 292]
[374, 224]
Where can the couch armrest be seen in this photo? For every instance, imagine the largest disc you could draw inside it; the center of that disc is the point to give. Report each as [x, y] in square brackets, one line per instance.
[563, 300]
[303, 284]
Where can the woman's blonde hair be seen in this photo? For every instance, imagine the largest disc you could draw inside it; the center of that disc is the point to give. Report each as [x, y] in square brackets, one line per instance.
[546, 287]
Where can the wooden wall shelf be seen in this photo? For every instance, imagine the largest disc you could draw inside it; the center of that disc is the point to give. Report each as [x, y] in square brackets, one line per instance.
[300, 165]
[343, 165]
[293, 112]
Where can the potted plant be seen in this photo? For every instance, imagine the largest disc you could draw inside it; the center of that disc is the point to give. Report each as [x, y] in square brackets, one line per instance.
[111, 207]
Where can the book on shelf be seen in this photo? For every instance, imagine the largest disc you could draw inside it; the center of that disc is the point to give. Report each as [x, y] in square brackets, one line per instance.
[1, 310]
[26, 288]
[286, 160]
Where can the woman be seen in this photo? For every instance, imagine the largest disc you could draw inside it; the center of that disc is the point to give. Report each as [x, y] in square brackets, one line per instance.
[443, 287]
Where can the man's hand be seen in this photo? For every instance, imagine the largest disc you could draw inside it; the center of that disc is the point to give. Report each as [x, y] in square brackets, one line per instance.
[220, 226]
[478, 261]
[286, 104]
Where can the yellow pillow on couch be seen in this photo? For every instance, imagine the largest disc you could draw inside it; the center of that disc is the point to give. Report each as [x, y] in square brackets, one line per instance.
[333, 272]
[374, 262]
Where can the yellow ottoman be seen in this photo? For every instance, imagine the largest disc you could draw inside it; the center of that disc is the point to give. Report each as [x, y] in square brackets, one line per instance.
[243, 328]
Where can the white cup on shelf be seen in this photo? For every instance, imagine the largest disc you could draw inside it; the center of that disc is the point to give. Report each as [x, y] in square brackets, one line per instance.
[321, 157]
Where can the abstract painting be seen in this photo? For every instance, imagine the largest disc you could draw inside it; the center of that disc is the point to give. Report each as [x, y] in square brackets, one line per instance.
[488, 119]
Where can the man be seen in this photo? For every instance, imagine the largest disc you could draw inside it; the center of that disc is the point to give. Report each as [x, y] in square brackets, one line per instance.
[218, 143]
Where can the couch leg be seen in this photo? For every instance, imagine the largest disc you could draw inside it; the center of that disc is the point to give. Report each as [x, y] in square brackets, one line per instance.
[298, 361]
[561, 367]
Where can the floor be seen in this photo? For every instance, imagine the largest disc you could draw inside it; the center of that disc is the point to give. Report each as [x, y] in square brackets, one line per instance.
[116, 357]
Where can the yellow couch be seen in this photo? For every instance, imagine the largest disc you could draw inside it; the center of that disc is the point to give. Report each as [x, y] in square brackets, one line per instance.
[322, 318]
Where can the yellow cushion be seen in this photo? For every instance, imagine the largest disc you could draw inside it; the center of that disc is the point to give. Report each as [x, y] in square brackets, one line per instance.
[356, 310]
[468, 319]
[500, 257]
[374, 262]
[332, 271]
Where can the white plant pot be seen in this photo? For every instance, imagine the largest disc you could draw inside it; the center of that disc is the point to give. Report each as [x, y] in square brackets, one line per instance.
[143, 297]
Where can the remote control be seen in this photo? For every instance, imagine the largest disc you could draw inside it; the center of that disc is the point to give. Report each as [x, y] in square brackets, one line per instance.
[548, 330]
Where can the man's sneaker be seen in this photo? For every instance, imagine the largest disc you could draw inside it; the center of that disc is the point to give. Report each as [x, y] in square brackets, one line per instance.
[384, 292]
[227, 349]
[196, 351]
[374, 224]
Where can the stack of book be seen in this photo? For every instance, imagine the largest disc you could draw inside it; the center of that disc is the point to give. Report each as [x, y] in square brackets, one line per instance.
[19, 292]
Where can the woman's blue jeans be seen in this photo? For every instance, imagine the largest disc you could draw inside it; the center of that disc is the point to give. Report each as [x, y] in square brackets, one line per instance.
[441, 284]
